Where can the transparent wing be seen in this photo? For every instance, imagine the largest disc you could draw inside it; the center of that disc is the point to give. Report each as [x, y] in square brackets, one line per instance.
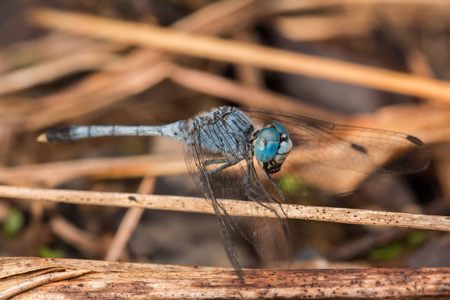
[337, 158]
[230, 176]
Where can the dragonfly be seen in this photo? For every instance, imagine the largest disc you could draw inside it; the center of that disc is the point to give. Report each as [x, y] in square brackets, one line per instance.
[239, 153]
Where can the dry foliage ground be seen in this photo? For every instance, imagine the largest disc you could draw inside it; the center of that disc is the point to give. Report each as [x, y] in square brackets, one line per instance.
[381, 64]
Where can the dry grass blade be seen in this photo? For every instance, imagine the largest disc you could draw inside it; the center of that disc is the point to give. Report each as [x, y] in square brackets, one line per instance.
[323, 28]
[15, 286]
[102, 88]
[129, 222]
[53, 69]
[233, 207]
[289, 5]
[248, 96]
[241, 53]
[52, 174]
[220, 17]
[85, 241]
[120, 280]
[139, 70]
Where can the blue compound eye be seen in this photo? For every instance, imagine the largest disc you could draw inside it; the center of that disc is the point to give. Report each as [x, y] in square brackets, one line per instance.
[267, 144]
[280, 128]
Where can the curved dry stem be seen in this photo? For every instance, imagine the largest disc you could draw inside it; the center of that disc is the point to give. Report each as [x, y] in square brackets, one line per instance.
[99, 279]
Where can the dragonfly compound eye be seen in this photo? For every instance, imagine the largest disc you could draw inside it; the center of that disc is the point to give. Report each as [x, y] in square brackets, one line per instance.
[281, 129]
[267, 144]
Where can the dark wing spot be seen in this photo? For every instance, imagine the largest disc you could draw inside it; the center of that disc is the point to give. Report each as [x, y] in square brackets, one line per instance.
[359, 148]
[132, 198]
[414, 140]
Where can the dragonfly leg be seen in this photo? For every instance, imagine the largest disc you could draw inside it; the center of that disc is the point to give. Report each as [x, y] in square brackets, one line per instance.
[226, 163]
[251, 191]
[276, 187]
[267, 194]
[258, 184]
[217, 161]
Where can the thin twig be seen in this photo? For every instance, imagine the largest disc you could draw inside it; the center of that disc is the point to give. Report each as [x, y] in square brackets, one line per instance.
[241, 53]
[324, 27]
[105, 88]
[52, 174]
[53, 69]
[233, 207]
[248, 96]
[129, 222]
[294, 5]
[21, 285]
[86, 242]
[138, 70]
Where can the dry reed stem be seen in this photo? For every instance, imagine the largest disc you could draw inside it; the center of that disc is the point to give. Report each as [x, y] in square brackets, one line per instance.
[233, 207]
[324, 27]
[240, 53]
[105, 88]
[244, 95]
[80, 239]
[248, 75]
[221, 17]
[49, 47]
[99, 279]
[139, 70]
[18, 286]
[55, 68]
[129, 222]
[52, 174]
[293, 5]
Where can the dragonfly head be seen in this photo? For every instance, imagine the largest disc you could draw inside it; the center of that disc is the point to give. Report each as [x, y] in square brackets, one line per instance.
[272, 147]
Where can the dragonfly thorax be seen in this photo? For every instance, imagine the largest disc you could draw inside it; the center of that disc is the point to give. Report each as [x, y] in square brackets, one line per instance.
[272, 147]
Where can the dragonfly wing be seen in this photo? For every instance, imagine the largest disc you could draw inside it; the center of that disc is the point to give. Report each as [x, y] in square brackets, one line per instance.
[232, 176]
[338, 157]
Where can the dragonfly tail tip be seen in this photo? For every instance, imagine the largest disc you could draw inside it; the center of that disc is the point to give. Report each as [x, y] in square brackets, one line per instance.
[42, 138]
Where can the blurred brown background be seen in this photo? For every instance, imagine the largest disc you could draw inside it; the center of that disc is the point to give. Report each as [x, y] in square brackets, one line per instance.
[52, 78]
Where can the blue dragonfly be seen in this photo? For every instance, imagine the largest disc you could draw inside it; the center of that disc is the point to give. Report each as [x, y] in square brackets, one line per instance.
[238, 153]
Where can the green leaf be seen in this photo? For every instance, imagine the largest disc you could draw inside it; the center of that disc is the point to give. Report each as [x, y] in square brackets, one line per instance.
[47, 252]
[388, 252]
[416, 238]
[291, 184]
[14, 223]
